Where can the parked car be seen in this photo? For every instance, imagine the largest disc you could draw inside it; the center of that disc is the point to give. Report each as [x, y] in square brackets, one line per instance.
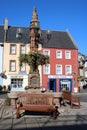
[85, 86]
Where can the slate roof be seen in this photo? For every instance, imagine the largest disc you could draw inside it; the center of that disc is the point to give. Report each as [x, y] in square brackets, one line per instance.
[59, 39]
[1, 34]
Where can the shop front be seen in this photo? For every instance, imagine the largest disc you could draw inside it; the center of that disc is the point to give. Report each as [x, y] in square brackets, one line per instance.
[17, 82]
[60, 83]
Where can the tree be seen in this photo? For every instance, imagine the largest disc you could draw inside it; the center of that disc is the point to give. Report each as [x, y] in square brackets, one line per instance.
[33, 59]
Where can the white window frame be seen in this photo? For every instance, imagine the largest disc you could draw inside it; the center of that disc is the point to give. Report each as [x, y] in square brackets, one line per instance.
[67, 54]
[12, 65]
[22, 49]
[46, 68]
[22, 68]
[46, 52]
[85, 63]
[16, 82]
[12, 49]
[59, 70]
[68, 71]
[58, 54]
[85, 73]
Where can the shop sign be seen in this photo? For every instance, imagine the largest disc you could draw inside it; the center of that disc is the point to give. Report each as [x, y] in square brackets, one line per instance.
[59, 76]
[17, 77]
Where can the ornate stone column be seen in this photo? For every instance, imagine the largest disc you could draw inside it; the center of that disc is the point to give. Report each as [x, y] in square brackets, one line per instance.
[34, 77]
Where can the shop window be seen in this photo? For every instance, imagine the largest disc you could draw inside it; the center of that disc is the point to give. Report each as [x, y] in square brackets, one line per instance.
[65, 84]
[16, 83]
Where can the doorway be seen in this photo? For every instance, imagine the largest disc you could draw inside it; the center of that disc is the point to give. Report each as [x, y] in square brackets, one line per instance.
[52, 85]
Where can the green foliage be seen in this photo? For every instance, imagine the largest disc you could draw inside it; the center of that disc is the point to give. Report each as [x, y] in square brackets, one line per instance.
[34, 59]
[80, 78]
[23, 58]
[8, 101]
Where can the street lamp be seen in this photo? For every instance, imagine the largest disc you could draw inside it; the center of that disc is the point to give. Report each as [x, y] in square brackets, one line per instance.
[1, 44]
[2, 74]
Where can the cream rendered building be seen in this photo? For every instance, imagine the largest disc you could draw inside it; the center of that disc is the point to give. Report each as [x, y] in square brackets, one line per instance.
[11, 65]
[16, 75]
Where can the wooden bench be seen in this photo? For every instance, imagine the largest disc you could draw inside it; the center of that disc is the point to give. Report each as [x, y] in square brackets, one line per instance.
[36, 102]
[73, 99]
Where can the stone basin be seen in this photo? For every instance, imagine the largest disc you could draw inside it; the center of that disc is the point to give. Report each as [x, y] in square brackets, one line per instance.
[12, 95]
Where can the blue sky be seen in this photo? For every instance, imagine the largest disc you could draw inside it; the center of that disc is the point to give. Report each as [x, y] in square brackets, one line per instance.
[52, 14]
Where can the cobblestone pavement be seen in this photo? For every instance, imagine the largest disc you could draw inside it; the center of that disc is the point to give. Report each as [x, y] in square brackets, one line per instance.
[67, 118]
[6, 111]
[63, 110]
[66, 110]
[1, 107]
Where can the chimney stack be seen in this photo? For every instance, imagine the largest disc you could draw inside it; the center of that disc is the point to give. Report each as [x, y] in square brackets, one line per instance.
[6, 24]
[5, 28]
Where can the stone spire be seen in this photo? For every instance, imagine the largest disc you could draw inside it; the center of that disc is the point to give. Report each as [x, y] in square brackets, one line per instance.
[34, 15]
[34, 22]
[34, 31]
